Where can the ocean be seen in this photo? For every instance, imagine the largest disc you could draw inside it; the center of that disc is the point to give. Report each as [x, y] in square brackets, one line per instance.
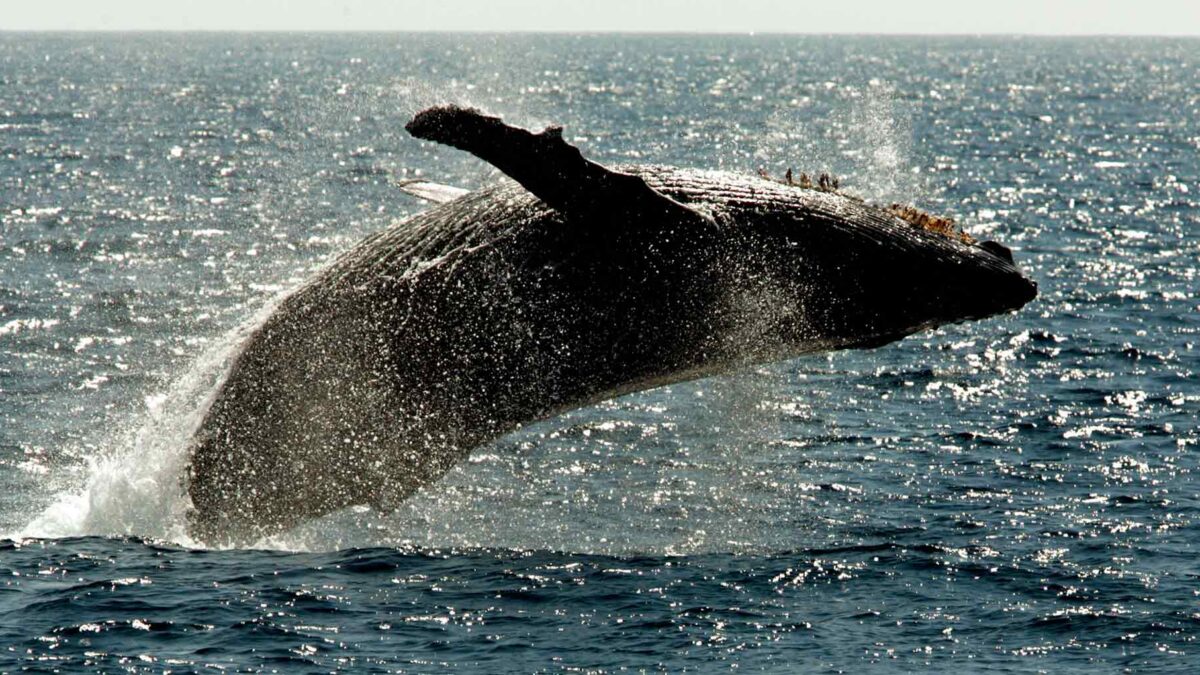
[1011, 495]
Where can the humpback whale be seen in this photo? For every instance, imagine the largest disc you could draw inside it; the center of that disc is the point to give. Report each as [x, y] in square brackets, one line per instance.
[566, 283]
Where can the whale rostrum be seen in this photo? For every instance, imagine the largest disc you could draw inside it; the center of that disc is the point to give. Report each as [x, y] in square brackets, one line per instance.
[569, 284]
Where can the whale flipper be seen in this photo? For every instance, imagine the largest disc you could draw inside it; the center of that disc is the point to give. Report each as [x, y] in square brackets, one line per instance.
[546, 165]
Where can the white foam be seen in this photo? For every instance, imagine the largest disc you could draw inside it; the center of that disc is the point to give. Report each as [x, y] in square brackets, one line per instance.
[132, 486]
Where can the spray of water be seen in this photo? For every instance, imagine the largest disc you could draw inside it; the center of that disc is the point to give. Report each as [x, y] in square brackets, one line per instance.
[134, 486]
[884, 147]
[861, 134]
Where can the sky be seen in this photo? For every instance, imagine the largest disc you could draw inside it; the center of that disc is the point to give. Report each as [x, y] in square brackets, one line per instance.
[1040, 17]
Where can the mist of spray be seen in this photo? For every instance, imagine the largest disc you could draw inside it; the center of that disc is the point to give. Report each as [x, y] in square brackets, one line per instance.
[863, 135]
[134, 484]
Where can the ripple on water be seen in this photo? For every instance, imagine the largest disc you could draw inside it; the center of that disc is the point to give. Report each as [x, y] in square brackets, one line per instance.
[1013, 494]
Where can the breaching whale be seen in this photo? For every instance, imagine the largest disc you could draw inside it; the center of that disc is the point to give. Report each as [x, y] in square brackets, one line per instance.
[569, 284]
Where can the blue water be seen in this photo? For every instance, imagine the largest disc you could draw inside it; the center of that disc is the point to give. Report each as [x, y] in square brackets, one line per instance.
[1016, 494]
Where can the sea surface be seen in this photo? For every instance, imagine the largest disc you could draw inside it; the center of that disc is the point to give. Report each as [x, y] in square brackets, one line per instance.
[1013, 495]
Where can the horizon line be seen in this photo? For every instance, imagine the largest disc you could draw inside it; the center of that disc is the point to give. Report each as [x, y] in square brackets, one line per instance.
[477, 31]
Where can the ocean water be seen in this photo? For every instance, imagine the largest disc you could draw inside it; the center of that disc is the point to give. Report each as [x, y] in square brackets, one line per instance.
[1013, 495]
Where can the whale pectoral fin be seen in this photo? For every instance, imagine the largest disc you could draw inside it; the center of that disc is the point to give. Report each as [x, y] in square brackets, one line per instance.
[430, 191]
[546, 165]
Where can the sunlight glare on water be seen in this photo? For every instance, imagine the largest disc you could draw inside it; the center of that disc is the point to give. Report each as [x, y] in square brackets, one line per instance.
[1014, 494]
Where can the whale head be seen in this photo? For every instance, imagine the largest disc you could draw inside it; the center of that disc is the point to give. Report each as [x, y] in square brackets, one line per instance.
[773, 271]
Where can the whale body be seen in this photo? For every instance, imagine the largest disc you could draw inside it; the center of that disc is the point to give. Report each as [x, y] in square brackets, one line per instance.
[567, 284]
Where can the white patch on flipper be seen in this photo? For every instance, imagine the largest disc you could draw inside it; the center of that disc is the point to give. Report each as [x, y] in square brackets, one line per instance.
[430, 191]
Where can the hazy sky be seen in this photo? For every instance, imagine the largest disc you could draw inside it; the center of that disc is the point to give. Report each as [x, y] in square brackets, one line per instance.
[1073, 17]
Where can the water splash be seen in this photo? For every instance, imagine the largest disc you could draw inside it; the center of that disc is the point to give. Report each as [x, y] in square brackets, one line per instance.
[880, 141]
[863, 135]
[134, 487]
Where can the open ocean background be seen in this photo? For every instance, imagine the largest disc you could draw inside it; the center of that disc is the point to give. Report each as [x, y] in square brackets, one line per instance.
[1014, 495]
